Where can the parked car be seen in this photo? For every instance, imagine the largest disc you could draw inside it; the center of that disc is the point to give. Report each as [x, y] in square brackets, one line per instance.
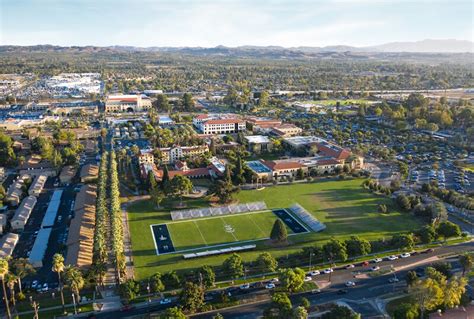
[375, 268]
[245, 286]
[308, 278]
[165, 301]
[392, 257]
[350, 284]
[377, 260]
[328, 270]
[405, 255]
[350, 266]
[314, 273]
[270, 286]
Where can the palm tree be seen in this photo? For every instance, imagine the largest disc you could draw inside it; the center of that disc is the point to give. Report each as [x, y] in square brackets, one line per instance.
[58, 267]
[75, 280]
[21, 267]
[3, 273]
[11, 280]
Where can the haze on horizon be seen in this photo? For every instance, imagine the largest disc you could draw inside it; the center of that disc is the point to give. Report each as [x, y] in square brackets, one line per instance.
[209, 23]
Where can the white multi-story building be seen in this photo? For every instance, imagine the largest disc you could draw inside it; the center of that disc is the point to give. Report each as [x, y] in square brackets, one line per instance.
[218, 124]
[127, 103]
[170, 155]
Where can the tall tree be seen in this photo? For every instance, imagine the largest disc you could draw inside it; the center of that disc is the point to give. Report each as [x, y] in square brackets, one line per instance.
[279, 232]
[188, 102]
[266, 262]
[3, 273]
[22, 268]
[466, 262]
[75, 280]
[335, 250]
[357, 246]
[156, 285]
[292, 279]
[58, 268]
[207, 277]
[192, 297]
[233, 266]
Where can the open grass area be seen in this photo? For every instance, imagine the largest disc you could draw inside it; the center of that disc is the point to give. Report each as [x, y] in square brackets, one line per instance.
[213, 231]
[343, 205]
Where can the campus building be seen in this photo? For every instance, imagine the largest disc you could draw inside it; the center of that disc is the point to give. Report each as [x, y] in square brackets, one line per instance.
[127, 103]
[218, 124]
[146, 157]
[169, 155]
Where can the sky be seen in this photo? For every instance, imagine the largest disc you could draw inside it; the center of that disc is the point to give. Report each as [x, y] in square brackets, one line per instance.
[208, 23]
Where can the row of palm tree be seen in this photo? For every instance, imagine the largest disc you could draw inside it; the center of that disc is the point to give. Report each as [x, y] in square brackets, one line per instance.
[100, 232]
[115, 218]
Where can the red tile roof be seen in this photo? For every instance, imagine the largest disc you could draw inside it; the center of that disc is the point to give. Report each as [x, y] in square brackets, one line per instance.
[283, 165]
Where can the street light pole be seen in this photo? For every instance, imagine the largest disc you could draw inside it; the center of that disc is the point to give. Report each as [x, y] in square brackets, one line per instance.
[74, 302]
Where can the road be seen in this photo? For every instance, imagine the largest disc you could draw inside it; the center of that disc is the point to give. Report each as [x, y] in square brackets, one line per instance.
[366, 287]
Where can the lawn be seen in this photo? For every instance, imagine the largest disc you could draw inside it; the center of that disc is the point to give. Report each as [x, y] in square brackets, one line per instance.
[343, 205]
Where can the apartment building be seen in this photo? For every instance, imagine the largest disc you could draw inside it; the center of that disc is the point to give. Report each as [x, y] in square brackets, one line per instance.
[146, 157]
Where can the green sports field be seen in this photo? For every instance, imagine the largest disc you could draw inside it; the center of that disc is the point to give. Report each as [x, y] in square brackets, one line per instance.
[343, 206]
[208, 232]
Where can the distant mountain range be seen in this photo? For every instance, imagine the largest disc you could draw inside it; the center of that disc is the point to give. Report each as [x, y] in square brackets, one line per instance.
[424, 46]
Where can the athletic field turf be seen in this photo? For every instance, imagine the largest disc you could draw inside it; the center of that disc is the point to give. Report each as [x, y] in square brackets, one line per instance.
[217, 231]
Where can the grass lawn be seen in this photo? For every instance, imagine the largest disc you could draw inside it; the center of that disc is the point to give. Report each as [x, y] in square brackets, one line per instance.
[197, 233]
[343, 205]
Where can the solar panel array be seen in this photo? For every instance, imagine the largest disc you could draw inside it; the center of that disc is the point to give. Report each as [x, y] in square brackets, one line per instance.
[218, 251]
[307, 218]
[217, 211]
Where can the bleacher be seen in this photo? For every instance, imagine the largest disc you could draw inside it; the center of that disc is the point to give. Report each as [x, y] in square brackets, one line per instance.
[311, 221]
[218, 251]
[217, 211]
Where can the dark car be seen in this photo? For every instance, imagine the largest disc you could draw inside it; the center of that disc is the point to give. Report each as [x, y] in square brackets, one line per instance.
[127, 308]
[420, 271]
[342, 291]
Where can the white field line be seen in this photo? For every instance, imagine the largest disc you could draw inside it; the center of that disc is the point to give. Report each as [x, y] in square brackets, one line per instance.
[223, 222]
[261, 230]
[199, 230]
[154, 239]
[219, 216]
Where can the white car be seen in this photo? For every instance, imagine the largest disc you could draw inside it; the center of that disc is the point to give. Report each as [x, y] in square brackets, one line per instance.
[377, 260]
[392, 257]
[314, 273]
[405, 255]
[350, 266]
[245, 286]
[328, 270]
[270, 286]
[308, 278]
[375, 268]
[350, 284]
[165, 301]
[274, 280]
[393, 280]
